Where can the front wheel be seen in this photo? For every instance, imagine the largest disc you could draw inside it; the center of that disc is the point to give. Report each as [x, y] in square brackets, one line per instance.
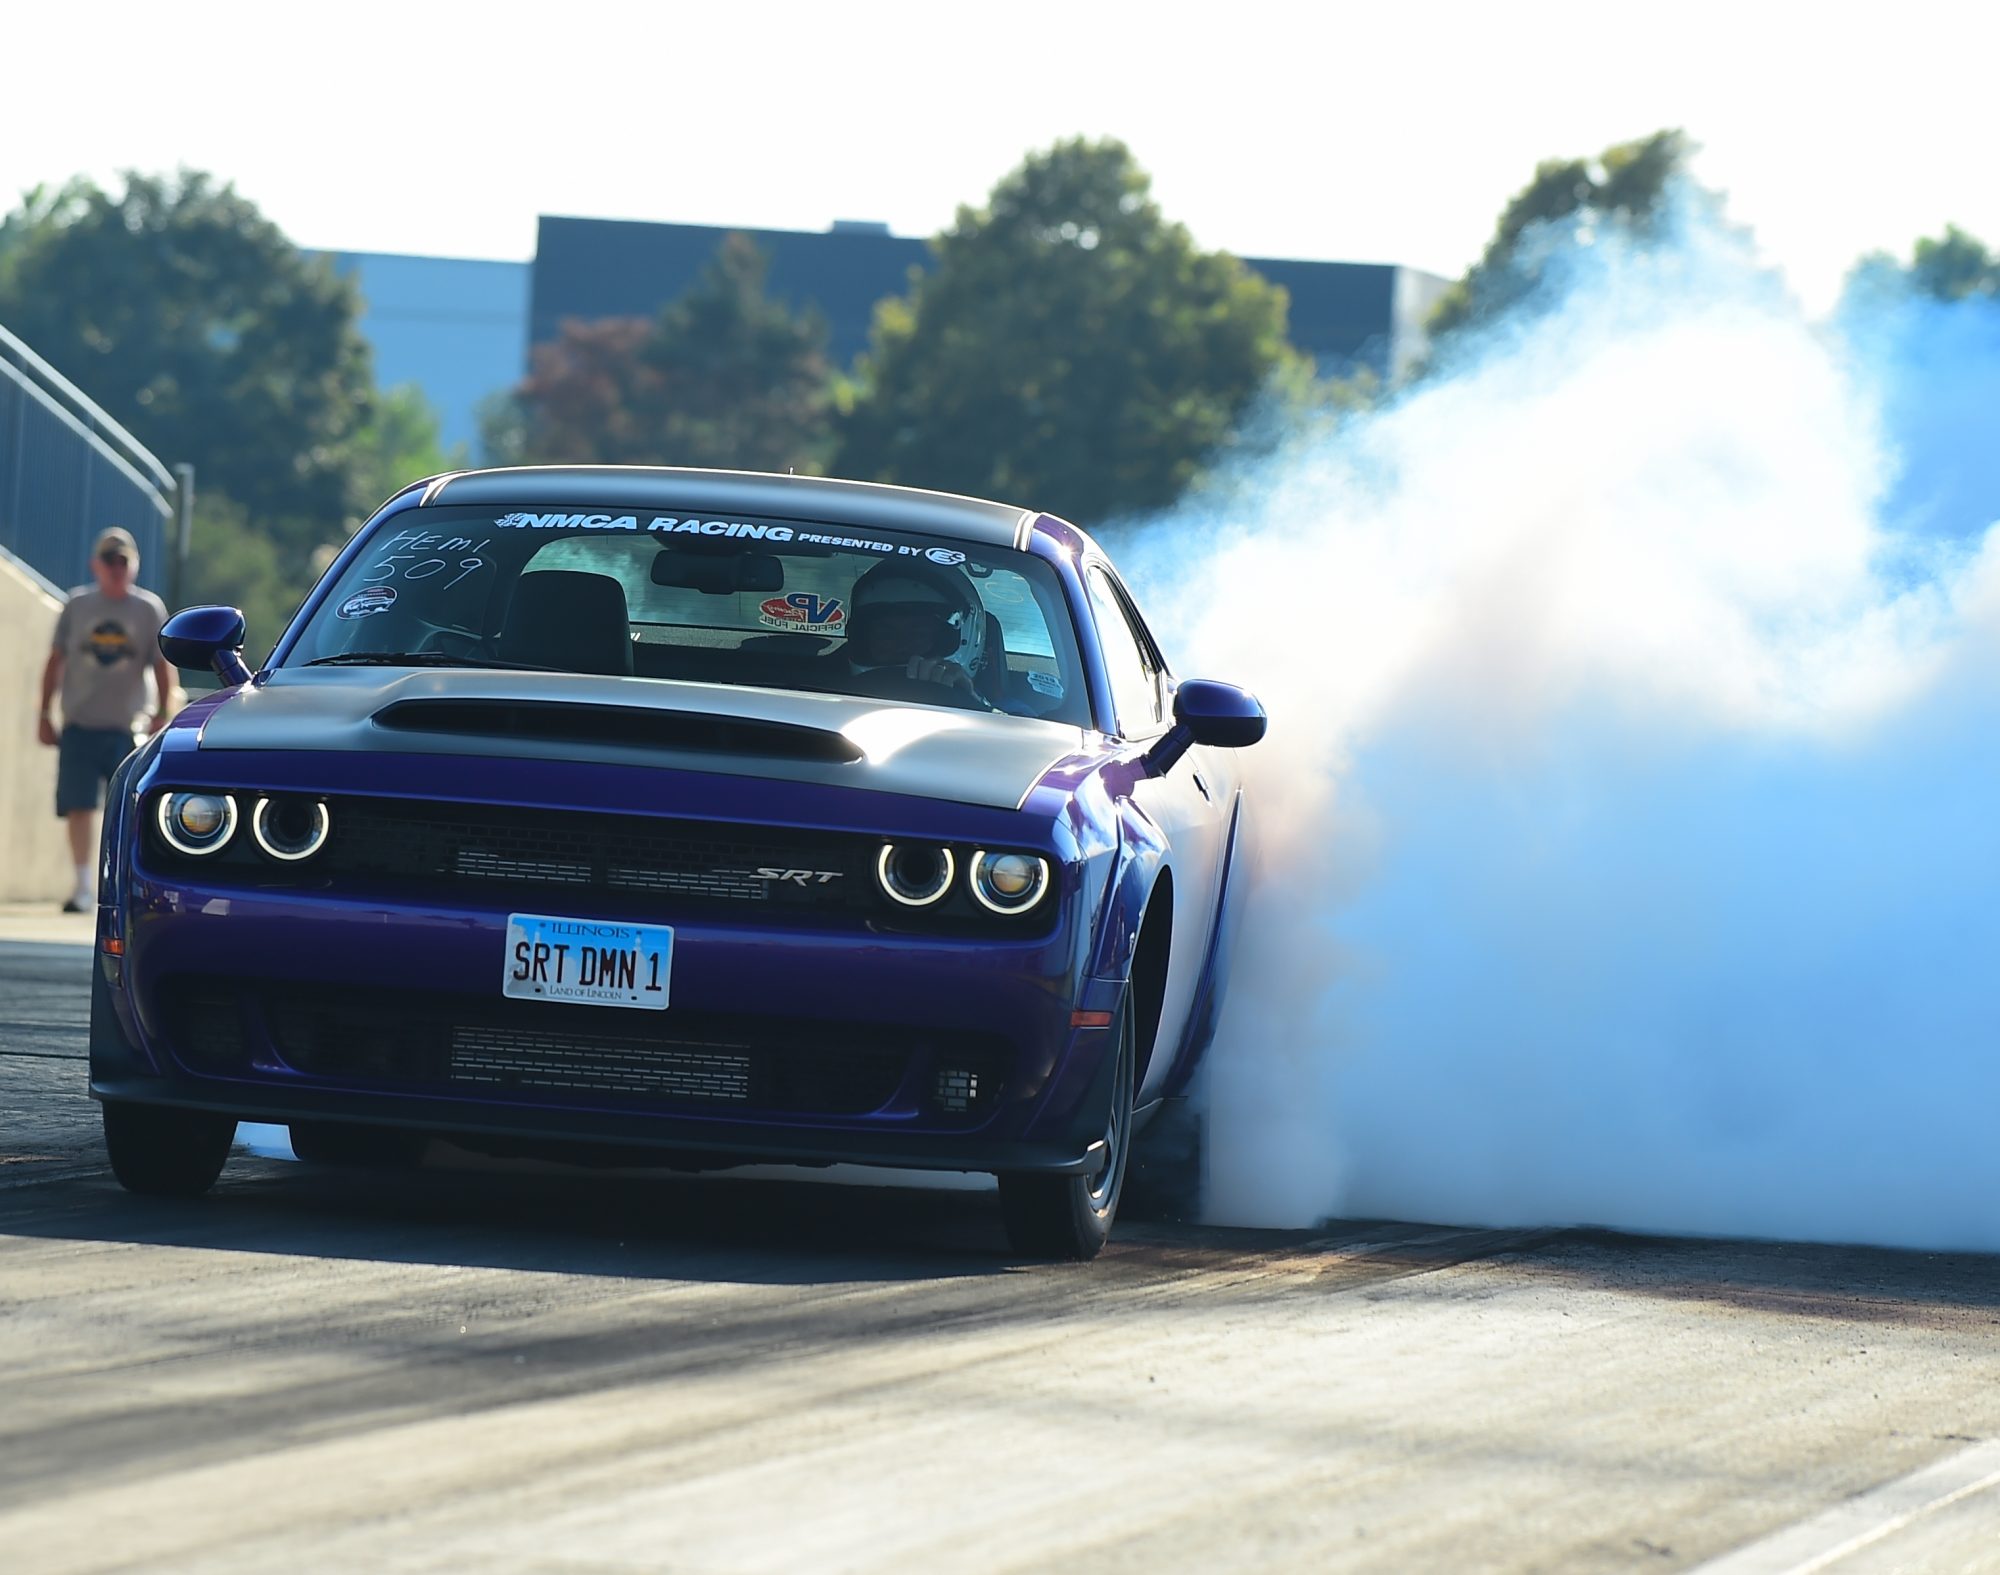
[161, 1152]
[1070, 1216]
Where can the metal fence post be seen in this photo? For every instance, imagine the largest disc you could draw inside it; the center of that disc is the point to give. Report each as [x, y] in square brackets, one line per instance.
[184, 528]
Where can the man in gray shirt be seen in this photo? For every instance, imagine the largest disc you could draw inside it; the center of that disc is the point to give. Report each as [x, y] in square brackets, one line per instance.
[107, 640]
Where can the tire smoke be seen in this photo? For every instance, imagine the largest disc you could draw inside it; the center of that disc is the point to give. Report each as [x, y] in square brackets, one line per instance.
[1626, 834]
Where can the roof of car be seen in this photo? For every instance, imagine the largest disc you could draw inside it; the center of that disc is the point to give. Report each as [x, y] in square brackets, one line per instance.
[819, 498]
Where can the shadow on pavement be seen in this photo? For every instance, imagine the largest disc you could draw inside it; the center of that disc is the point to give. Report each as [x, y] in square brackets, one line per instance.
[633, 1227]
[1852, 1284]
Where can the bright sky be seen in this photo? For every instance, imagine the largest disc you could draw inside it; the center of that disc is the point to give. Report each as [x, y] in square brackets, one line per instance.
[1376, 132]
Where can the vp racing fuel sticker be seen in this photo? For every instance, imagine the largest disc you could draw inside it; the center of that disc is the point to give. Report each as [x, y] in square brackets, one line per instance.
[367, 601]
[801, 611]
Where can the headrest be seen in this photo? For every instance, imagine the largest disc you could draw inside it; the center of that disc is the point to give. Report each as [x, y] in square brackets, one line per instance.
[568, 619]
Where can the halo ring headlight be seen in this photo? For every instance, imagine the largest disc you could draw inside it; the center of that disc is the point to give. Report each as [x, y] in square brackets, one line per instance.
[197, 824]
[918, 887]
[1008, 883]
[281, 842]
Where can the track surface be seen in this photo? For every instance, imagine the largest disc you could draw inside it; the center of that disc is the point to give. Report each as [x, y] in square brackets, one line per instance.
[474, 1371]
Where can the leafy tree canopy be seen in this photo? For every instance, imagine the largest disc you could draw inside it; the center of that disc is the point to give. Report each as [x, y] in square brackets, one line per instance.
[243, 562]
[1954, 266]
[1950, 267]
[1625, 185]
[184, 312]
[1072, 349]
[400, 443]
[724, 376]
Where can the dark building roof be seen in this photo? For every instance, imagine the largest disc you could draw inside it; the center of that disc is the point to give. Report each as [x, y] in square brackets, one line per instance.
[1345, 315]
[592, 268]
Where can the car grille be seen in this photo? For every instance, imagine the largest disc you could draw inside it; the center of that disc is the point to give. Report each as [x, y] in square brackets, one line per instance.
[473, 846]
[652, 867]
[541, 1053]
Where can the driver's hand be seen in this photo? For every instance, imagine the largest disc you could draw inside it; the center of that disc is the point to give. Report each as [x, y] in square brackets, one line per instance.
[936, 670]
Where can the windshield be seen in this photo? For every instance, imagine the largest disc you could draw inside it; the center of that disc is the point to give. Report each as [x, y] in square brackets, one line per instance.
[780, 604]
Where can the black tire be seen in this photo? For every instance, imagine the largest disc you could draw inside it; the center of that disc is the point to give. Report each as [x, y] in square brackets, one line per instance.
[159, 1152]
[1070, 1216]
[354, 1146]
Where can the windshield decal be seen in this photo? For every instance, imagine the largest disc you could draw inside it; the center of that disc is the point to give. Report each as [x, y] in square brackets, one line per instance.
[666, 525]
[739, 530]
[567, 522]
[802, 610]
[367, 602]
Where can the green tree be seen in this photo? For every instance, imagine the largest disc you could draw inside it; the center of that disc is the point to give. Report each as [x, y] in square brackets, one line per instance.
[1954, 266]
[234, 564]
[184, 312]
[724, 376]
[1624, 186]
[1072, 348]
[399, 444]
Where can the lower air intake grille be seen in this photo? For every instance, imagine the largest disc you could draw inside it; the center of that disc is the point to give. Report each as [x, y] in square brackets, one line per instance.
[510, 1058]
[536, 1052]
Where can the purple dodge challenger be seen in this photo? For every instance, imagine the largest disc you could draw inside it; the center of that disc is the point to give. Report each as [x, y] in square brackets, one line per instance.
[696, 818]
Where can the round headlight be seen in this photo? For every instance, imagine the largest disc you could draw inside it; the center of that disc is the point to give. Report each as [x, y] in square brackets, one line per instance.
[196, 823]
[1008, 882]
[915, 874]
[290, 829]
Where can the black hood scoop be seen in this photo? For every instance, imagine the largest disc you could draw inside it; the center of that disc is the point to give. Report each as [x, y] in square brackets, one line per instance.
[640, 727]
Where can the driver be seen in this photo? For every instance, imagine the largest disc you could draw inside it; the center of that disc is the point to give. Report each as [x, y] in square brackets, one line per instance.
[918, 619]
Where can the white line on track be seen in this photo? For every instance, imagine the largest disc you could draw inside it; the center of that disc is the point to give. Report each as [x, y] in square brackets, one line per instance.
[1865, 1519]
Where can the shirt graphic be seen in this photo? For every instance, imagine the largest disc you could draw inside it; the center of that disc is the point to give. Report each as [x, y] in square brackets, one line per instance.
[108, 645]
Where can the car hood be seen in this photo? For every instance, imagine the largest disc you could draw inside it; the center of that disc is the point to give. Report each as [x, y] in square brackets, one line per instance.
[937, 752]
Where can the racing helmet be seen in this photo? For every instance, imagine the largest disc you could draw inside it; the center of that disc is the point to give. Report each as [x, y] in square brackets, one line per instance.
[943, 599]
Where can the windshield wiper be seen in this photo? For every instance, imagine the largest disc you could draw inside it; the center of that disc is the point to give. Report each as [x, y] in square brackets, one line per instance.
[419, 659]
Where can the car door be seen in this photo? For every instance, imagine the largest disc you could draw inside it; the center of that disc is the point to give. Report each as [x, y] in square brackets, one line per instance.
[1187, 804]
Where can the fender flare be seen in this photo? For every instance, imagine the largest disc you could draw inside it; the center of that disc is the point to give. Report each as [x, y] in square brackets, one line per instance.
[1205, 1012]
[1141, 857]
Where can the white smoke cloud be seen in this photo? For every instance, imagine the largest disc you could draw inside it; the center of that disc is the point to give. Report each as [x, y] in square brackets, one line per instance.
[1627, 846]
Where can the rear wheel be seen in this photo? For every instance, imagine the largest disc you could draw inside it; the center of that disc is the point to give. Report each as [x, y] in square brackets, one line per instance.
[1070, 1216]
[161, 1152]
[364, 1147]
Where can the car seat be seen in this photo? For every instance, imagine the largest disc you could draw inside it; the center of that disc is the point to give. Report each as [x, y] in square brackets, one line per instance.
[569, 620]
[989, 679]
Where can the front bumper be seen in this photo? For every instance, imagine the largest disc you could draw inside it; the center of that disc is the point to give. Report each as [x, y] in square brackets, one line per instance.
[391, 991]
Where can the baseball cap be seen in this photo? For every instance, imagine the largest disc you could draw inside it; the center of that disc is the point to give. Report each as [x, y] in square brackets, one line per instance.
[116, 539]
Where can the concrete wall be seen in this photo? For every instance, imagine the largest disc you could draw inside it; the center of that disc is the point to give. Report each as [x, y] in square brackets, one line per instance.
[34, 859]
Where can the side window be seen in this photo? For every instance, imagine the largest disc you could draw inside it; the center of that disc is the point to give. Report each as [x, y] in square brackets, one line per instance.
[1135, 686]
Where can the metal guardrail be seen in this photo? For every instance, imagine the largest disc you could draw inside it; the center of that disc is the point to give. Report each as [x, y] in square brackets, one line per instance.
[67, 470]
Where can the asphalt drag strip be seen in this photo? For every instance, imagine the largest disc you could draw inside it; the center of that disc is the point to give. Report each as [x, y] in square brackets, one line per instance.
[550, 1370]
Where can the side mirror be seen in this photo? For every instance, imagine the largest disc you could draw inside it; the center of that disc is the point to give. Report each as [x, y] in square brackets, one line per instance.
[1219, 715]
[211, 637]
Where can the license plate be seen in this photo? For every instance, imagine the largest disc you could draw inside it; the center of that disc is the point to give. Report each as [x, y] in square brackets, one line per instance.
[590, 962]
